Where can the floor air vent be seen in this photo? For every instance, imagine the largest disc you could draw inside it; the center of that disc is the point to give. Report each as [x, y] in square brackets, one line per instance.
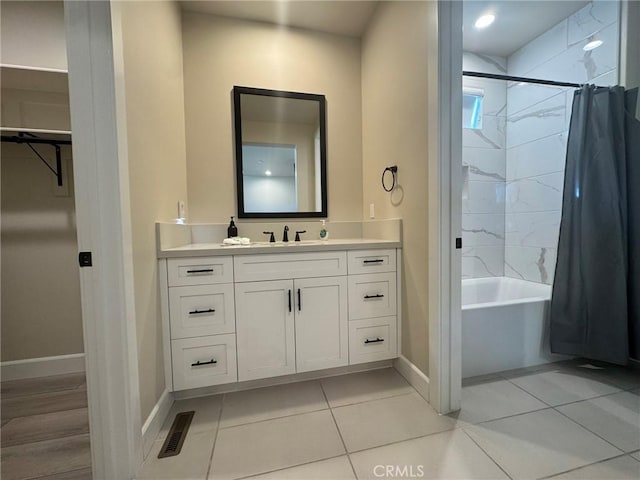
[177, 434]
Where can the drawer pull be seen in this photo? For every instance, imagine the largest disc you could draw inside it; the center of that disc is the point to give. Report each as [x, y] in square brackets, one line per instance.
[377, 260]
[201, 270]
[196, 312]
[373, 296]
[377, 340]
[199, 363]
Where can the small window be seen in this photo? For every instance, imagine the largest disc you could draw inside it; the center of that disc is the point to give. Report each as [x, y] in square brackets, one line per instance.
[472, 108]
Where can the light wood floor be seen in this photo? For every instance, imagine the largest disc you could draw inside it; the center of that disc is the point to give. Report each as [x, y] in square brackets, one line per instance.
[45, 429]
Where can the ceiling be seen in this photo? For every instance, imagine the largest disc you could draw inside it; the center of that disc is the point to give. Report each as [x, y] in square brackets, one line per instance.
[340, 17]
[517, 23]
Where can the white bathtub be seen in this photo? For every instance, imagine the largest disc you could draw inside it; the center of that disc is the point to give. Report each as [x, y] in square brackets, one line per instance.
[504, 325]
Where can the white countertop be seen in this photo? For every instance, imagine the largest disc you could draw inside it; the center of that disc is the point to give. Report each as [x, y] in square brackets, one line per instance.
[210, 249]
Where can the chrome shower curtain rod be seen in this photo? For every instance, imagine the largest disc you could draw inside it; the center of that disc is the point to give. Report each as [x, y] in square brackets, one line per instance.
[496, 76]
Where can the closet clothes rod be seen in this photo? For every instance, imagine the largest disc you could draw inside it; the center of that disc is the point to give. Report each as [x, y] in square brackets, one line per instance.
[35, 140]
[510, 78]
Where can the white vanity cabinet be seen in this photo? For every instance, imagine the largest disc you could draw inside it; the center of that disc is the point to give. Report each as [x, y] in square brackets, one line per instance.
[291, 323]
[253, 316]
[372, 305]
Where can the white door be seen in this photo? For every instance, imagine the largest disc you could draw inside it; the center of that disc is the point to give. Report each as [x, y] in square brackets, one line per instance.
[265, 329]
[321, 323]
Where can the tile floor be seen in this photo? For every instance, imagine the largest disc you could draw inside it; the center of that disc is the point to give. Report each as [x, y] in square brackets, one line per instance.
[567, 421]
[45, 429]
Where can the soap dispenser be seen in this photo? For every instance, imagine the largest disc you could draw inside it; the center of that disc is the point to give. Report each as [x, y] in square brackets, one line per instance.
[324, 234]
[232, 231]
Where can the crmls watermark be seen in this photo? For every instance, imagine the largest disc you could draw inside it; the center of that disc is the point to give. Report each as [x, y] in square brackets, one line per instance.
[398, 471]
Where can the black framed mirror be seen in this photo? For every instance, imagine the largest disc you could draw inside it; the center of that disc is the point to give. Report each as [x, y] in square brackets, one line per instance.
[280, 149]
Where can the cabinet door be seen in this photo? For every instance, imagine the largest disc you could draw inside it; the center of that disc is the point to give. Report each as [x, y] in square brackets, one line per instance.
[321, 323]
[265, 329]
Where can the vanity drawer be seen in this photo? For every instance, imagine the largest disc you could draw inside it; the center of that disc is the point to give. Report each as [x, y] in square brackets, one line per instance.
[284, 266]
[204, 361]
[372, 295]
[372, 339]
[201, 310]
[371, 261]
[199, 271]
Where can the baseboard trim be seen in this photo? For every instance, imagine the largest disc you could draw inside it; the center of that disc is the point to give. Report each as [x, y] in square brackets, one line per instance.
[281, 380]
[42, 367]
[413, 375]
[155, 420]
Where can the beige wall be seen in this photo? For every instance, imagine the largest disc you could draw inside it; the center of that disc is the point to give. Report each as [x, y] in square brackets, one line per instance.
[41, 314]
[32, 34]
[220, 53]
[157, 165]
[395, 70]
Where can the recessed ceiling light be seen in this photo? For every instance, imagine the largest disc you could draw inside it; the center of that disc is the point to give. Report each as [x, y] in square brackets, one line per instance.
[267, 172]
[592, 45]
[485, 20]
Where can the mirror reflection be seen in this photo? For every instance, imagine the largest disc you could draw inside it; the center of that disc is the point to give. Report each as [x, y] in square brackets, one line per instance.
[280, 153]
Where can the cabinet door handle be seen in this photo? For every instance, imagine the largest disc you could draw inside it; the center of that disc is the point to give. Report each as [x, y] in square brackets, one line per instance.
[373, 296]
[299, 300]
[289, 301]
[201, 270]
[377, 260]
[377, 340]
[199, 363]
[196, 311]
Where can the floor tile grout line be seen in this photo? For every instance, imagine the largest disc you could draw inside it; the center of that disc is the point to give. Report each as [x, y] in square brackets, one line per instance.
[395, 395]
[583, 466]
[395, 442]
[253, 422]
[487, 454]
[589, 430]
[291, 466]
[344, 445]
[508, 416]
[529, 393]
[215, 438]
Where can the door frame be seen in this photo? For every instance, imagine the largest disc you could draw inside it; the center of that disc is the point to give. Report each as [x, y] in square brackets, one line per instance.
[445, 187]
[101, 182]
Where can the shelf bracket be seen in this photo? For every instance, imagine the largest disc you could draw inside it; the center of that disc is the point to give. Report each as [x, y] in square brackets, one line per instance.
[32, 139]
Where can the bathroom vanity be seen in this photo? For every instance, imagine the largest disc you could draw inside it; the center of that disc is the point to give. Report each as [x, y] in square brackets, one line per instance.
[239, 313]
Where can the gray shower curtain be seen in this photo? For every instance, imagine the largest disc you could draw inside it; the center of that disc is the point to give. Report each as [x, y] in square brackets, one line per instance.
[595, 304]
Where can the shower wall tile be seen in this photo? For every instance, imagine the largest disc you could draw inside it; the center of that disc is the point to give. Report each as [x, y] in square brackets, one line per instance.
[478, 62]
[591, 19]
[485, 164]
[484, 173]
[534, 264]
[576, 65]
[484, 197]
[524, 95]
[540, 157]
[483, 230]
[538, 121]
[535, 229]
[551, 43]
[492, 134]
[479, 262]
[535, 194]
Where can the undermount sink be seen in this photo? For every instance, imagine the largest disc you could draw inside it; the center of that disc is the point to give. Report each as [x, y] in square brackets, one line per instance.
[287, 244]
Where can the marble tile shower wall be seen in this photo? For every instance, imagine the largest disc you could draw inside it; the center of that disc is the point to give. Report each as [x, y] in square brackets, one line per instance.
[484, 154]
[537, 127]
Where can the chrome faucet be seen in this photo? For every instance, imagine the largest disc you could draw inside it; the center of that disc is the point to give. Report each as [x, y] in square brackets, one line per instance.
[285, 234]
